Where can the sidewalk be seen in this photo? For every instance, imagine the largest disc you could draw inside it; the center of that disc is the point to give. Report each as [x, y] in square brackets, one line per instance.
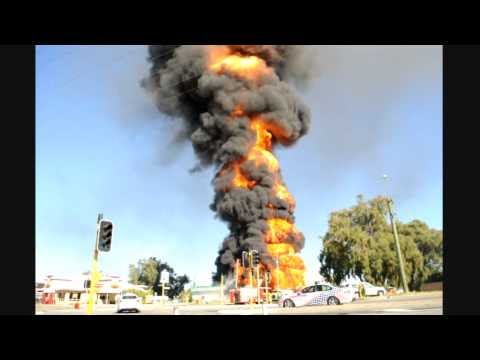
[42, 308]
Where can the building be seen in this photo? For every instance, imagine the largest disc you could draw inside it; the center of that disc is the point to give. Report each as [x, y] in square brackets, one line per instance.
[58, 290]
[206, 294]
[39, 286]
[61, 289]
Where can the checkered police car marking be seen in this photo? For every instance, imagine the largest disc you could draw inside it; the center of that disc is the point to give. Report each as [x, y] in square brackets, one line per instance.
[322, 298]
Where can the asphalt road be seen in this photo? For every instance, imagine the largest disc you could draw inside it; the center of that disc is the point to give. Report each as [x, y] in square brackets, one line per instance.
[413, 304]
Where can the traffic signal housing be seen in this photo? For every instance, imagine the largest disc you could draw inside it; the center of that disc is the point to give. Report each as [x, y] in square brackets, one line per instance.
[256, 258]
[105, 233]
[87, 284]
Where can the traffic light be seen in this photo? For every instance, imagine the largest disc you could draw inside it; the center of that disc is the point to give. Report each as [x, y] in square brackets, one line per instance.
[105, 235]
[87, 284]
[256, 258]
[244, 255]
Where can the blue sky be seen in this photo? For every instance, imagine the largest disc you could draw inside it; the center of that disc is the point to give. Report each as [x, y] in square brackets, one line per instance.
[101, 146]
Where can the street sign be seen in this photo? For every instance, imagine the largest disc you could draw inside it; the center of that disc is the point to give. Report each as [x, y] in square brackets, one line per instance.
[164, 277]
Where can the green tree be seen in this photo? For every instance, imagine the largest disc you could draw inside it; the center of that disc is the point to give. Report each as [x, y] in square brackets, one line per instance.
[140, 293]
[430, 243]
[359, 242]
[186, 296]
[147, 272]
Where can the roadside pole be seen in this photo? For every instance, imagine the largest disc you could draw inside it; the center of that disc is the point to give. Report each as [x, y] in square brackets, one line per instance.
[94, 275]
[164, 279]
[267, 284]
[397, 246]
[258, 283]
[221, 290]
[250, 272]
[278, 276]
[236, 274]
[163, 293]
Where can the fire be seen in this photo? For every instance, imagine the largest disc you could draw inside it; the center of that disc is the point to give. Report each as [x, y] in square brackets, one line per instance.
[279, 231]
[240, 180]
[221, 60]
[289, 270]
[282, 193]
[238, 111]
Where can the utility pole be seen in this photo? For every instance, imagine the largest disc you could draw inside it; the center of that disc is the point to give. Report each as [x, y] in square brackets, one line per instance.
[95, 276]
[397, 245]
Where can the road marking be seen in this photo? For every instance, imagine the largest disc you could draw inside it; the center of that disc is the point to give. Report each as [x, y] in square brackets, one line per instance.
[40, 313]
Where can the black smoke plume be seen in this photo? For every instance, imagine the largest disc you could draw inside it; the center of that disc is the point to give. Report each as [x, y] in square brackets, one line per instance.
[185, 88]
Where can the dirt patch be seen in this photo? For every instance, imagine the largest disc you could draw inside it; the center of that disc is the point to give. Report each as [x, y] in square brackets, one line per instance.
[436, 286]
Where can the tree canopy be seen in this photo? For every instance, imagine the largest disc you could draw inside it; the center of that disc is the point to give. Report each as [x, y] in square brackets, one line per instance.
[147, 272]
[359, 242]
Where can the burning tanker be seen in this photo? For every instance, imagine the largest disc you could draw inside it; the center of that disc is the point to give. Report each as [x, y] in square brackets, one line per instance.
[236, 107]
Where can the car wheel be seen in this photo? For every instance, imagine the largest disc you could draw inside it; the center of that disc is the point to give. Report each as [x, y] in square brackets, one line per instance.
[288, 303]
[381, 293]
[332, 300]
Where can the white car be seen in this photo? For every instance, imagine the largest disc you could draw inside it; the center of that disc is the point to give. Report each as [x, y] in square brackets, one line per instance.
[372, 290]
[318, 294]
[129, 302]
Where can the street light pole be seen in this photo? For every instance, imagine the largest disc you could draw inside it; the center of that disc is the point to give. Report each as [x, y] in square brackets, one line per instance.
[397, 245]
[397, 242]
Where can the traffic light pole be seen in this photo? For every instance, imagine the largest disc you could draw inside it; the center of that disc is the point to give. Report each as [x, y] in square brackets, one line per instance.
[250, 272]
[258, 284]
[94, 275]
[221, 290]
[397, 246]
[236, 274]
[278, 275]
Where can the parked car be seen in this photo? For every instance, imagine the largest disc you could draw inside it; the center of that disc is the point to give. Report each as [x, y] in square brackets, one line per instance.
[319, 294]
[372, 290]
[129, 302]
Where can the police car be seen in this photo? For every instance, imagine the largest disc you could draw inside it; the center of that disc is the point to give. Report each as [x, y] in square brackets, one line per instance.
[318, 294]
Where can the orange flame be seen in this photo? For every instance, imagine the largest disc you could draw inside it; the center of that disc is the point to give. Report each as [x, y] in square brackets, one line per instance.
[221, 60]
[240, 180]
[238, 111]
